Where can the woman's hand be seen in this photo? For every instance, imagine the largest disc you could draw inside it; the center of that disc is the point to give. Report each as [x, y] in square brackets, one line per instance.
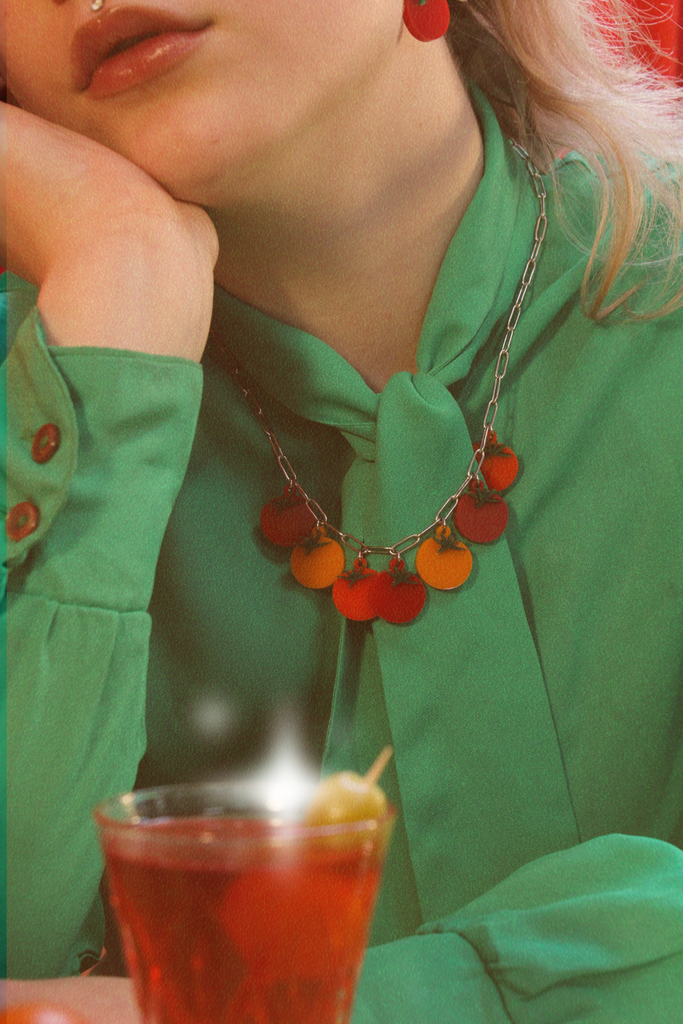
[119, 262]
[95, 1000]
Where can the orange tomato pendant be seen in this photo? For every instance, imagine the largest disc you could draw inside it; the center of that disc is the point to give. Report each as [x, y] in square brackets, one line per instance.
[399, 595]
[499, 466]
[442, 561]
[318, 560]
[40, 1013]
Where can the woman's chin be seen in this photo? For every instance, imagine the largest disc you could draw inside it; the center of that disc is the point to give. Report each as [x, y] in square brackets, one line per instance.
[213, 183]
[208, 162]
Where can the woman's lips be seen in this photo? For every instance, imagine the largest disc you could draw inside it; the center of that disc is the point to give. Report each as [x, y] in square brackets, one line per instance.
[140, 63]
[126, 46]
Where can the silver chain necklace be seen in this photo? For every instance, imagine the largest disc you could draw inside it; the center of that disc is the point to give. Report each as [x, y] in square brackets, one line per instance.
[318, 520]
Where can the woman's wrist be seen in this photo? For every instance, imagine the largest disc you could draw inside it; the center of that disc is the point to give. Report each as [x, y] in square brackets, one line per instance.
[130, 293]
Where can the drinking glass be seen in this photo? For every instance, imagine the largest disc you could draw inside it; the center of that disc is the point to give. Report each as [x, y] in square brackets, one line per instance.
[232, 914]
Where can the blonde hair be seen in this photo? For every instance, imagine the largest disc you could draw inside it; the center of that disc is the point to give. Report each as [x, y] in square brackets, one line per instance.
[566, 74]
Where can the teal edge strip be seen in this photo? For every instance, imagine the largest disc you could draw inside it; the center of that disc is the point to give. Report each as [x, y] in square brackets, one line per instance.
[3, 689]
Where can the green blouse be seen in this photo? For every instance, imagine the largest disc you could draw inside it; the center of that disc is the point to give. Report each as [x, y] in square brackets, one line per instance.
[536, 713]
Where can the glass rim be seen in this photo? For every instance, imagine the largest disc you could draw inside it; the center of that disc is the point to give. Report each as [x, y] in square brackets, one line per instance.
[170, 827]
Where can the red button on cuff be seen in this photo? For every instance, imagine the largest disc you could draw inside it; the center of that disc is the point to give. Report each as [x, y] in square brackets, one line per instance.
[45, 442]
[22, 520]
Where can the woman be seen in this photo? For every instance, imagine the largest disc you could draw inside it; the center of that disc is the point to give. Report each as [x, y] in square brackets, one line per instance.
[346, 179]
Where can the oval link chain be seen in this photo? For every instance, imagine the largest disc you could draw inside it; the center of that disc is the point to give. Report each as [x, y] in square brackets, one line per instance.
[474, 468]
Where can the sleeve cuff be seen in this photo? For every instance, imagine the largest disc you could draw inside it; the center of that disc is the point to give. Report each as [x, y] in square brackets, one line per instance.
[93, 513]
[593, 933]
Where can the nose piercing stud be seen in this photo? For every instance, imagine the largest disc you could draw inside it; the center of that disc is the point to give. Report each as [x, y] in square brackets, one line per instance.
[97, 5]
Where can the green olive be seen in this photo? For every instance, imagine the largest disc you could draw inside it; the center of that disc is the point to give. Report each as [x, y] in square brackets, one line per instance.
[346, 796]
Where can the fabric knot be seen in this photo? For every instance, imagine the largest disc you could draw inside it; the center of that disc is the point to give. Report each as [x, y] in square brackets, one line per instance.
[421, 438]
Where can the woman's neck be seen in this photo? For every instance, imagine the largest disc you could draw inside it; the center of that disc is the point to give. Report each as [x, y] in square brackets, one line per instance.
[359, 214]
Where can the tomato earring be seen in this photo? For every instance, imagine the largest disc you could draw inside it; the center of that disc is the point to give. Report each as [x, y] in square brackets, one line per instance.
[97, 5]
[426, 19]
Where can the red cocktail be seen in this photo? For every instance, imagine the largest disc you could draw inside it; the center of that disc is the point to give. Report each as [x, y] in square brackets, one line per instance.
[230, 918]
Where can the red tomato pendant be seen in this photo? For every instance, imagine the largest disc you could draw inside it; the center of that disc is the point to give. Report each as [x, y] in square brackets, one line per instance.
[426, 19]
[399, 595]
[354, 592]
[499, 465]
[287, 519]
[481, 515]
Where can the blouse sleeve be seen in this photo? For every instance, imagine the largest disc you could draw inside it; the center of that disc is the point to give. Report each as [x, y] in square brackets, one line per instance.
[593, 934]
[97, 448]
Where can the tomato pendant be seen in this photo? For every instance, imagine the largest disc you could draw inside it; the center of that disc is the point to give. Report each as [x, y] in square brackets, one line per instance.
[426, 19]
[480, 515]
[499, 466]
[40, 1013]
[354, 592]
[318, 560]
[287, 519]
[399, 595]
[442, 561]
